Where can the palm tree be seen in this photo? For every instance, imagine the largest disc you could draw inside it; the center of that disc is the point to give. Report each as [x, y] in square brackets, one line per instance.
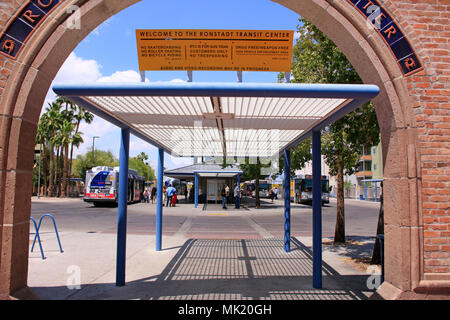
[42, 138]
[63, 138]
[52, 120]
[57, 130]
[80, 114]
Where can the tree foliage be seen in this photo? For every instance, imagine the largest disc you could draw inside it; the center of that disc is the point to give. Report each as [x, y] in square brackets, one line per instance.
[316, 59]
[58, 133]
[254, 169]
[82, 163]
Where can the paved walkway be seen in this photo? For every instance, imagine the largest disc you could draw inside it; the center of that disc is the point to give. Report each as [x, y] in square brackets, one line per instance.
[198, 261]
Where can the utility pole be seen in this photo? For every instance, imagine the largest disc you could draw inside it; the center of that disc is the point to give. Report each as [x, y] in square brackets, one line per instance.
[93, 150]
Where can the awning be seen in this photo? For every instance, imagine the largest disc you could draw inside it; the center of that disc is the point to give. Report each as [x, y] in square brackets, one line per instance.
[220, 119]
[210, 170]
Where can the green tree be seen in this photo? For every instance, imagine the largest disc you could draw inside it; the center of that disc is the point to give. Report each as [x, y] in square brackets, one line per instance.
[300, 155]
[138, 163]
[83, 162]
[253, 170]
[316, 59]
[42, 137]
[58, 130]
[52, 122]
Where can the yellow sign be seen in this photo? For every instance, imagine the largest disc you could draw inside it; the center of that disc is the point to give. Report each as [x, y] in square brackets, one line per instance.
[224, 50]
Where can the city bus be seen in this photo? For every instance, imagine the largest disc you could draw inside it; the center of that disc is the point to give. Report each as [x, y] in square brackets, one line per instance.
[303, 189]
[264, 188]
[102, 185]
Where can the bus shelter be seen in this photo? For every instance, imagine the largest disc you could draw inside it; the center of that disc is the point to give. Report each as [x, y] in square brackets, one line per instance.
[220, 120]
[207, 179]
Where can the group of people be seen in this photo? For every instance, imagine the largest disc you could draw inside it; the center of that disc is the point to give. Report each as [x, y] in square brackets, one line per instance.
[169, 194]
[236, 194]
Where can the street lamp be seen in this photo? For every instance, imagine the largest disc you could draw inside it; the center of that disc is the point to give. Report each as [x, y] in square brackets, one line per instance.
[93, 150]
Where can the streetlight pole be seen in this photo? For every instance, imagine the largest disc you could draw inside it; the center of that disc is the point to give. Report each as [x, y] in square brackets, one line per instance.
[93, 150]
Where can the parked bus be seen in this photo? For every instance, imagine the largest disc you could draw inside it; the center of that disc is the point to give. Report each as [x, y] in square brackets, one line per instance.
[264, 188]
[102, 185]
[303, 189]
[247, 188]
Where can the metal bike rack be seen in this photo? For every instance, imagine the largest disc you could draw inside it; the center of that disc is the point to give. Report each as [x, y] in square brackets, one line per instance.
[37, 233]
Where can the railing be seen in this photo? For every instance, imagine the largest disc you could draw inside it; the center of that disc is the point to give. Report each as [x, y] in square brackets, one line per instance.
[36, 236]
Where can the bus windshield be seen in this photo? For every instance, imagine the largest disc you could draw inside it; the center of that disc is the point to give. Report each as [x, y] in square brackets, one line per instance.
[306, 185]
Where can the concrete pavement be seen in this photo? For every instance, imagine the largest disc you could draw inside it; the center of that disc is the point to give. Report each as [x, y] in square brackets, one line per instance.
[207, 254]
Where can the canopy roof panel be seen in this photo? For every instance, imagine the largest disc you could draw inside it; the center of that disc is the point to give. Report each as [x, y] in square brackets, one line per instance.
[220, 119]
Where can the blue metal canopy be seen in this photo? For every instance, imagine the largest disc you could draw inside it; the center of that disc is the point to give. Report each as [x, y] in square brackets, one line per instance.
[236, 119]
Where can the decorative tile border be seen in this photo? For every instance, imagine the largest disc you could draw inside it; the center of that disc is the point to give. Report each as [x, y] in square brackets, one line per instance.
[390, 32]
[21, 27]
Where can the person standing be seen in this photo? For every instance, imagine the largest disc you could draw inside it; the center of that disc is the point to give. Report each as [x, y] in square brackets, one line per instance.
[164, 195]
[224, 197]
[174, 199]
[153, 193]
[237, 196]
[170, 191]
[271, 194]
[146, 195]
[275, 191]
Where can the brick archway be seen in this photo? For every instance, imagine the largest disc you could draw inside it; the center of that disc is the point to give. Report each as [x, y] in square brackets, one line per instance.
[409, 108]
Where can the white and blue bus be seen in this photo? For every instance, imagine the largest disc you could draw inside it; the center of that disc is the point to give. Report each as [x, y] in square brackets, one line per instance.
[102, 185]
[303, 189]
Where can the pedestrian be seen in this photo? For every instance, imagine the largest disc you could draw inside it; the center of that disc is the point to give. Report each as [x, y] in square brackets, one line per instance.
[271, 194]
[185, 193]
[169, 192]
[164, 195]
[224, 197]
[174, 199]
[237, 196]
[146, 195]
[227, 191]
[276, 193]
[153, 193]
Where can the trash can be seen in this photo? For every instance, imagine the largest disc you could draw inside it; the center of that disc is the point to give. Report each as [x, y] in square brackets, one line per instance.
[380, 237]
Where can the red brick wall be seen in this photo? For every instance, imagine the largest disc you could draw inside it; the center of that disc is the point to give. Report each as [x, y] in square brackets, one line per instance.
[428, 28]
[426, 23]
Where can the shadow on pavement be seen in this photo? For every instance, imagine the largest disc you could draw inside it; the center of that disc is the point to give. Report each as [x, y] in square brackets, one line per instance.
[232, 269]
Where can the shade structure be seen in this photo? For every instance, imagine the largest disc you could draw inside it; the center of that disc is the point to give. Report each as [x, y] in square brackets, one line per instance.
[219, 119]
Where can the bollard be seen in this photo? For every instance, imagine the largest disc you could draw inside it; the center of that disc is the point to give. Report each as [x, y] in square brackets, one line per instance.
[380, 237]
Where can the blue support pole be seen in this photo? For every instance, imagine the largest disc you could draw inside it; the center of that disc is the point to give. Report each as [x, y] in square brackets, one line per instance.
[159, 199]
[376, 198]
[317, 210]
[196, 191]
[122, 207]
[287, 200]
[365, 191]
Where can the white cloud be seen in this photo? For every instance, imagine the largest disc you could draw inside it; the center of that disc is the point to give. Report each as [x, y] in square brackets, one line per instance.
[74, 70]
[78, 70]
[177, 80]
[123, 76]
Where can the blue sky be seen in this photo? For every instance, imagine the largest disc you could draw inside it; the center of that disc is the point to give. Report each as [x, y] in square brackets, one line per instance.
[109, 53]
